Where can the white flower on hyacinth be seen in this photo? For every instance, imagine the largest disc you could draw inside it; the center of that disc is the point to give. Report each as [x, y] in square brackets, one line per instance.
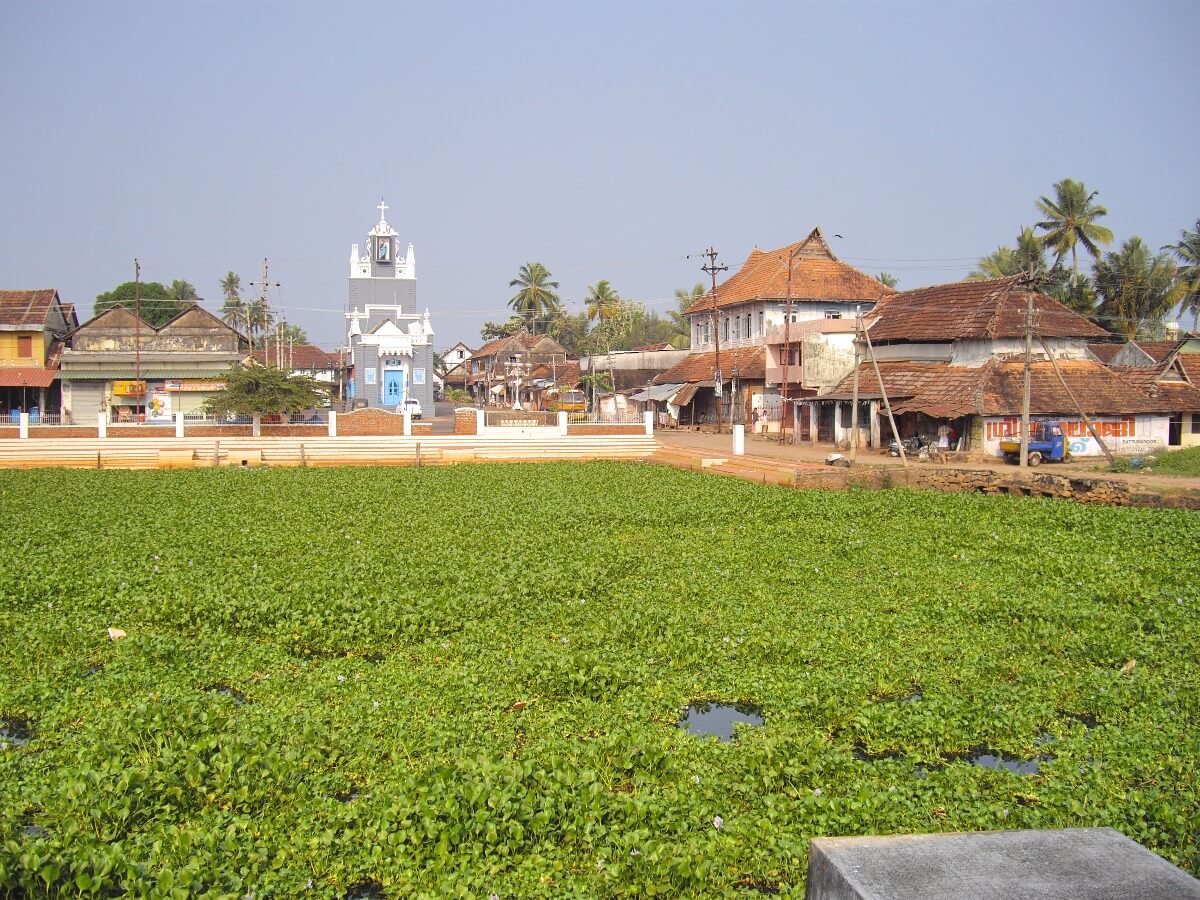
[718, 822]
[1005, 813]
[566, 640]
[493, 897]
[308, 886]
[375, 704]
[695, 779]
[600, 864]
[341, 678]
[4, 746]
[445, 645]
[635, 852]
[817, 792]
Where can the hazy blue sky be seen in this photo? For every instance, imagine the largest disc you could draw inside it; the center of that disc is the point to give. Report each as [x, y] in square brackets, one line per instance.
[607, 140]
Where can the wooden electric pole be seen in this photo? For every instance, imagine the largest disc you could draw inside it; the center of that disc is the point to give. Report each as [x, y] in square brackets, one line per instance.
[1028, 374]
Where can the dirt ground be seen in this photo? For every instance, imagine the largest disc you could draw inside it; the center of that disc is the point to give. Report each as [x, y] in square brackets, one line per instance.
[758, 445]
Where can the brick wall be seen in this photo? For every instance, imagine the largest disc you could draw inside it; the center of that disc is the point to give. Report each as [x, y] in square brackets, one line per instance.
[369, 421]
[606, 429]
[297, 430]
[57, 431]
[464, 421]
[422, 428]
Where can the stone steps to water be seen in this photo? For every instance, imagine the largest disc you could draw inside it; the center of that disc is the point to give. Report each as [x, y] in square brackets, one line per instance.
[150, 453]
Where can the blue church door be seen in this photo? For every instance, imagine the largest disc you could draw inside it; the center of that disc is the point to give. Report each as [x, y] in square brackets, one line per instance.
[393, 387]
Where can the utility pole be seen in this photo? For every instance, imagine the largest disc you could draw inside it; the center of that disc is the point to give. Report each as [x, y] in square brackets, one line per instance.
[137, 333]
[1028, 373]
[265, 300]
[712, 269]
[886, 403]
[858, 327]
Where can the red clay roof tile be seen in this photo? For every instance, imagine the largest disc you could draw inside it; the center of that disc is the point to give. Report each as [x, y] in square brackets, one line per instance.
[750, 362]
[816, 275]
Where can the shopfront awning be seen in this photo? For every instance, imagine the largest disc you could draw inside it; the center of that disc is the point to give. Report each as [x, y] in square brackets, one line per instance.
[499, 388]
[26, 376]
[686, 393]
[657, 393]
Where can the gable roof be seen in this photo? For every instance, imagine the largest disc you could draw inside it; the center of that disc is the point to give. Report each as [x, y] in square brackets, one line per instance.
[299, 356]
[974, 309]
[995, 389]
[816, 274]
[192, 312]
[525, 342]
[751, 363]
[26, 309]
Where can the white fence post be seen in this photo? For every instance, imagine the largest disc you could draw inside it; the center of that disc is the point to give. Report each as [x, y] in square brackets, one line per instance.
[480, 421]
[649, 417]
[23, 429]
[102, 424]
[562, 422]
[178, 423]
[739, 440]
[256, 427]
[407, 423]
[333, 423]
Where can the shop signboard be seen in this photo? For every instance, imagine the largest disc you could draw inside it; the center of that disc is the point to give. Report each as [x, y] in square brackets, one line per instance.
[193, 385]
[128, 388]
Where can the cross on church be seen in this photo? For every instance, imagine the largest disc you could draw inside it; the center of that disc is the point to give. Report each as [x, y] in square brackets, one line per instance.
[381, 207]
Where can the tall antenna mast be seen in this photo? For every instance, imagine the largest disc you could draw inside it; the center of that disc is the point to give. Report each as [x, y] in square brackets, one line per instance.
[712, 269]
[265, 306]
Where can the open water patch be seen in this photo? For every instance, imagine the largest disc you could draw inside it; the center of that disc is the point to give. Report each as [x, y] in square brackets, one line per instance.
[226, 691]
[368, 889]
[987, 758]
[862, 755]
[708, 719]
[1087, 720]
[16, 732]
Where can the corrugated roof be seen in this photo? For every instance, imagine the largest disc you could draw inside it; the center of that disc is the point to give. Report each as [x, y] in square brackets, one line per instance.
[974, 309]
[26, 376]
[26, 309]
[816, 274]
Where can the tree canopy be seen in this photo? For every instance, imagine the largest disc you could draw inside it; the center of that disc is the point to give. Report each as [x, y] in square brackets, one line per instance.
[536, 298]
[1071, 220]
[1187, 290]
[159, 305]
[1136, 287]
[265, 391]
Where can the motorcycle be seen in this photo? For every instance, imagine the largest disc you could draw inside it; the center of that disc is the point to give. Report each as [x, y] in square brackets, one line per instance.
[912, 445]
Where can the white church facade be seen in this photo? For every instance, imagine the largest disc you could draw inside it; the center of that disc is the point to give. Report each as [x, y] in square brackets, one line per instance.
[391, 344]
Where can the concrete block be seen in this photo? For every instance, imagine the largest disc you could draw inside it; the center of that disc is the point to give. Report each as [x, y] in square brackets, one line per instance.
[1062, 864]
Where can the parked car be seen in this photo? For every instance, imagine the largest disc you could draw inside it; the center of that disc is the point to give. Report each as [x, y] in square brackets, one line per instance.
[412, 406]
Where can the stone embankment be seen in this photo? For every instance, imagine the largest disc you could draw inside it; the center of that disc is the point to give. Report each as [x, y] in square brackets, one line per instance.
[1108, 491]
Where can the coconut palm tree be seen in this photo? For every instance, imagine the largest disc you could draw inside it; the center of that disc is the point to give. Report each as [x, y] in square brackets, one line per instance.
[1187, 286]
[1029, 257]
[1135, 287]
[887, 279]
[233, 312]
[536, 297]
[602, 301]
[258, 318]
[1070, 221]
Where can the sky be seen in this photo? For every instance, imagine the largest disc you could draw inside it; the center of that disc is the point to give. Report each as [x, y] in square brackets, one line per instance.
[607, 140]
